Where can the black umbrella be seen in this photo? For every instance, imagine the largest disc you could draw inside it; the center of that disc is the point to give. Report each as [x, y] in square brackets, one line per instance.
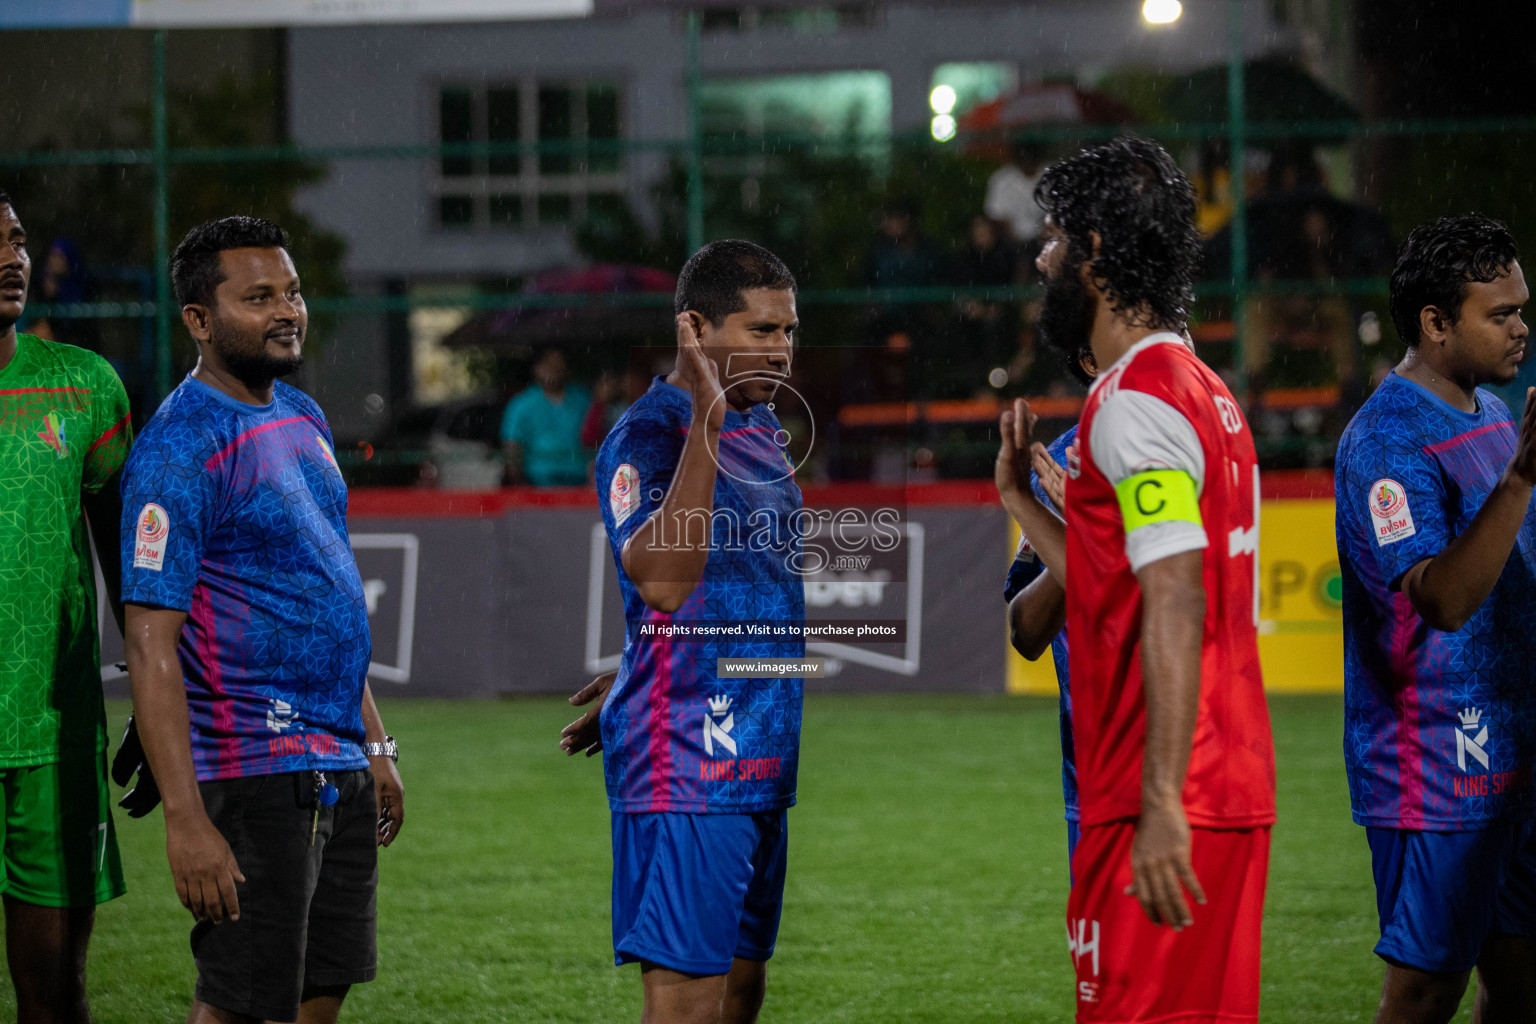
[1274, 90]
[606, 305]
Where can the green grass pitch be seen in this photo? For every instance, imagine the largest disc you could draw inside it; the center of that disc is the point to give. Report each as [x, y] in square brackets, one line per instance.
[927, 876]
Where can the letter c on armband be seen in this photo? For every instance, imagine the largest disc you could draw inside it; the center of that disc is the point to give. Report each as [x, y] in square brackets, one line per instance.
[1141, 498]
[1158, 496]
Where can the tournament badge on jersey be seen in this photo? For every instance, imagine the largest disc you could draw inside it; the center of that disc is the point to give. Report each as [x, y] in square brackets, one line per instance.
[624, 493]
[150, 537]
[1389, 507]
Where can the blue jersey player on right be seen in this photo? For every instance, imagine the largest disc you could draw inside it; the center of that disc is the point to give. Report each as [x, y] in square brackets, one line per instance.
[704, 521]
[1437, 544]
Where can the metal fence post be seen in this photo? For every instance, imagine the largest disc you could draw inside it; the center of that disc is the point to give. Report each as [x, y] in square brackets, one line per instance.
[162, 166]
[694, 81]
[1237, 129]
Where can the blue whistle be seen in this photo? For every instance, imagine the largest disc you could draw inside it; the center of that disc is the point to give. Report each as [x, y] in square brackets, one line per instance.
[328, 793]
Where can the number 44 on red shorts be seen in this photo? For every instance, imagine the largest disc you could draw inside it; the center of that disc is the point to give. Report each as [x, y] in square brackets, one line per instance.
[1130, 970]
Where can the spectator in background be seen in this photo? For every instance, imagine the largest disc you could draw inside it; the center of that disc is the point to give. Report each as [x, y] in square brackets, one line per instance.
[1316, 321]
[609, 401]
[1300, 328]
[988, 328]
[1298, 231]
[986, 259]
[1213, 188]
[1011, 196]
[1010, 202]
[62, 281]
[900, 257]
[541, 428]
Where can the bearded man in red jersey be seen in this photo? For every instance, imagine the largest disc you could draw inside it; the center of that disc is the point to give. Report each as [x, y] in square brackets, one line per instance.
[1175, 760]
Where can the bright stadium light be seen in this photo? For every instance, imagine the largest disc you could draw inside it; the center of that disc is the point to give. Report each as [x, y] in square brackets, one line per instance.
[1162, 12]
[943, 127]
[943, 99]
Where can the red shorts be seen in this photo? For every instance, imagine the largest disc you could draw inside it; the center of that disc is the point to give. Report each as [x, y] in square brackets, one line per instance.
[1129, 969]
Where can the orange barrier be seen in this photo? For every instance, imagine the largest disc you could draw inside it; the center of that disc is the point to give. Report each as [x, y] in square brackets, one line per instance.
[1285, 399]
[986, 410]
[972, 410]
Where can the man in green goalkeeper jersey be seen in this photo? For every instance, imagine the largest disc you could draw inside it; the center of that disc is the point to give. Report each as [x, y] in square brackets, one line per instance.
[64, 435]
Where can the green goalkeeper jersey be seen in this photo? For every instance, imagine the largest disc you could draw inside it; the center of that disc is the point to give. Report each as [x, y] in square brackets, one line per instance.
[64, 430]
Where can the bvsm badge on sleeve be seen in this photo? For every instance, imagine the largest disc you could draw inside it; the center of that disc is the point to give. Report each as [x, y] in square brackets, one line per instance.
[624, 493]
[1390, 513]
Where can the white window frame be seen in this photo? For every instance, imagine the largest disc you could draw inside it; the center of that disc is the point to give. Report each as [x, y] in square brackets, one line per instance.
[531, 182]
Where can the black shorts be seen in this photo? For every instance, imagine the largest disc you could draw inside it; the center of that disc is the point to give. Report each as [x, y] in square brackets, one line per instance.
[307, 912]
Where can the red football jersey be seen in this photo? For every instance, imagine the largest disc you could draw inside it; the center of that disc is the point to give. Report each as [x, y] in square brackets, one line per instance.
[1157, 412]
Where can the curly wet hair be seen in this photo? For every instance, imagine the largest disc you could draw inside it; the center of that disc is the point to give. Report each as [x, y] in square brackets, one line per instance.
[1131, 193]
[1438, 260]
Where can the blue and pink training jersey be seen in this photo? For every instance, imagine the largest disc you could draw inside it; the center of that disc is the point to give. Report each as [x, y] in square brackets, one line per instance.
[1022, 572]
[676, 735]
[1439, 728]
[236, 515]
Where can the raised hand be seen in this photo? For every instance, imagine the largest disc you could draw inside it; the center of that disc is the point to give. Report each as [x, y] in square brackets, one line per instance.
[1011, 471]
[1523, 465]
[586, 732]
[1053, 477]
[701, 373]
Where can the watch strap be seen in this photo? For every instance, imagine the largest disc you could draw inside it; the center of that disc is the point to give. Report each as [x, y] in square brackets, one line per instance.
[389, 748]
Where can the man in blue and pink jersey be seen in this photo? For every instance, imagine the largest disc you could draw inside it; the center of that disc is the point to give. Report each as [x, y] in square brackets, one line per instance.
[248, 649]
[1437, 543]
[1037, 598]
[703, 517]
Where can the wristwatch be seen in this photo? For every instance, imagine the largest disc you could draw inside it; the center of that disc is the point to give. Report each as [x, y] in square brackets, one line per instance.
[389, 748]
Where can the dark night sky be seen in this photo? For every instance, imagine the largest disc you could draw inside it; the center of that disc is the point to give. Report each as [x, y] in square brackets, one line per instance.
[1444, 58]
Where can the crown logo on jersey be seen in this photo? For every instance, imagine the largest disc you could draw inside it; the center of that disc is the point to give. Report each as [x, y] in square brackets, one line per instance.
[719, 733]
[1471, 741]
